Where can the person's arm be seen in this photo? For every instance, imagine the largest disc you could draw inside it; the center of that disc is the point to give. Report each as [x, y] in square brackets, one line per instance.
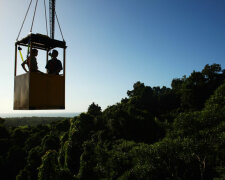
[23, 65]
[47, 67]
[60, 67]
[57, 72]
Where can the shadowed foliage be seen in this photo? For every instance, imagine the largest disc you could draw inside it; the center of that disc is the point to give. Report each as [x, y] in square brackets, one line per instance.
[154, 133]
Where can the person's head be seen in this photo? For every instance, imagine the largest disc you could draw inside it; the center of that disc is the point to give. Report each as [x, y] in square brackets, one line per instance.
[54, 53]
[34, 52]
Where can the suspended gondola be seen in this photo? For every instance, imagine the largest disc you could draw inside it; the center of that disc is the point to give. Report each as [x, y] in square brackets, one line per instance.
[35, 90]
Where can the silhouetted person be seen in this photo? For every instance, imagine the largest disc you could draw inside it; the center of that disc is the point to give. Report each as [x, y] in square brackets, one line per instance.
[31, 62]
[54, 66]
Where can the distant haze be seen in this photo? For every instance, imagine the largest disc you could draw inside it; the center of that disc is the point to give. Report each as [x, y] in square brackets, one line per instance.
[6, 115]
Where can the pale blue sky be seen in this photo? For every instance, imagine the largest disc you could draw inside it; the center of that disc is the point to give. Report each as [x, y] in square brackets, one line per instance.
[114, 43]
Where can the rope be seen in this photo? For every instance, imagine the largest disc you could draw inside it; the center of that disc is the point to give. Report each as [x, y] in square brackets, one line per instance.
[23, 21]
[33, 16]
[59, 26]
[46, 18]
[19, 48]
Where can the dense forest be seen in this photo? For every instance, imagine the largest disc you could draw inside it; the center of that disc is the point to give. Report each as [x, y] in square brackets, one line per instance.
[155, 133]
[30, 121]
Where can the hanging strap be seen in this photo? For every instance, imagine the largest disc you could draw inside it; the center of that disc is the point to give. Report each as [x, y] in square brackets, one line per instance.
[59, 26]
[19, 48]
[34, 16]
[23, 21]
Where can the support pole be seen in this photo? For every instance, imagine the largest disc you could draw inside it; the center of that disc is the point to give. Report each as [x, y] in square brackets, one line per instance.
[64, 73]
[30, 65]
[29, 73]
[64, 62]
[47, 59]
[15, 60]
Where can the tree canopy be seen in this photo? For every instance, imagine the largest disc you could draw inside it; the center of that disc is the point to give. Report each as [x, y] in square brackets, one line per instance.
[153, 133]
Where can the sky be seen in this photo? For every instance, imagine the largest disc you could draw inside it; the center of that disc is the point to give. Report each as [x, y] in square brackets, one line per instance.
[114, 43]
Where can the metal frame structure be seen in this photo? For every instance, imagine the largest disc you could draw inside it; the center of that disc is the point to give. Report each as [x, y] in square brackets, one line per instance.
[52, 18]
[42, 42]
[36, 91]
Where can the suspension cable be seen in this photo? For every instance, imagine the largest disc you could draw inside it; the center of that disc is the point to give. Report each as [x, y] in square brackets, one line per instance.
[46, 18]
[59, 26]
[23, 21]
[33, 16]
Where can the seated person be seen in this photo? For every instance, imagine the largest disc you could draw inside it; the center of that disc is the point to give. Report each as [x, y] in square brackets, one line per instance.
[31, 62]
[54, 66]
